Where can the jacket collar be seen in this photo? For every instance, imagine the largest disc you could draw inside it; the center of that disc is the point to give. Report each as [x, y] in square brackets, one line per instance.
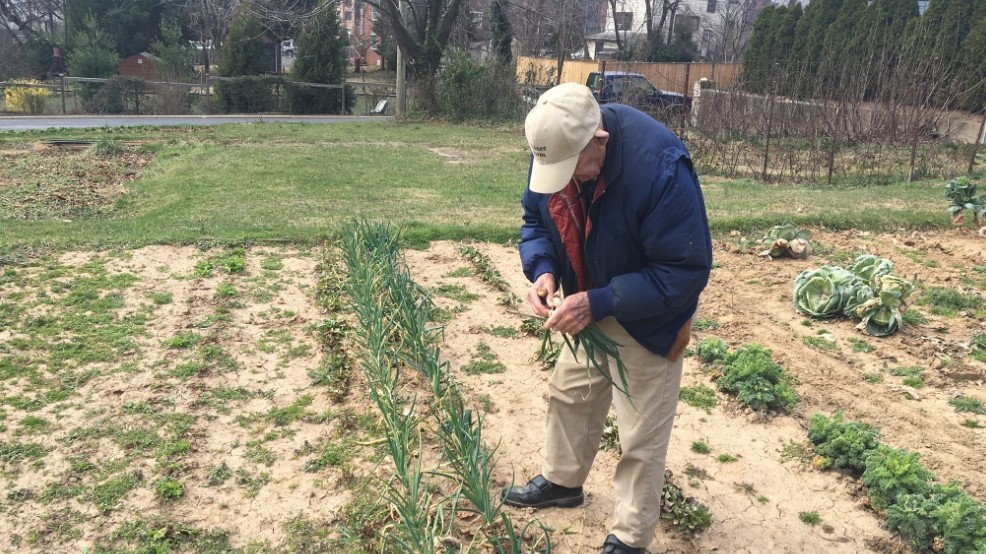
[612, 165]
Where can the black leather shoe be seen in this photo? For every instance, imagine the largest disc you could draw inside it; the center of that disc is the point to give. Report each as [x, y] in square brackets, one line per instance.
[541, 493]
[614, 545]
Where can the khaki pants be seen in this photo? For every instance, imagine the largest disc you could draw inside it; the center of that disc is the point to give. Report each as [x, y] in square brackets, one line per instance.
[578, 402]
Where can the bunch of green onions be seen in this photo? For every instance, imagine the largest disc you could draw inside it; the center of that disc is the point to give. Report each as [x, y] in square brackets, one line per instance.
[591, 340]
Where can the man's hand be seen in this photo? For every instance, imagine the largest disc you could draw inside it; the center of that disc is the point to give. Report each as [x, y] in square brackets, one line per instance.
[541, 304]
[572, 316]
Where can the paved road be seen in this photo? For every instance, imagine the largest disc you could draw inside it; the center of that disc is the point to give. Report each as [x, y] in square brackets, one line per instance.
[19, 123]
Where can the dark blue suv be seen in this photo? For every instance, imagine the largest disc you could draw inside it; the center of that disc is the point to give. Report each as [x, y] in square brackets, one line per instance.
[635, 90]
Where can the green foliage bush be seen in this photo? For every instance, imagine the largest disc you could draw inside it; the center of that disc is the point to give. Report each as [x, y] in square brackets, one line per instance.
[320, 59]
[249, 93]
[471, 90]
[945, 515]
[756, 380]
[842, 444]
[711, 350]
[891, 472]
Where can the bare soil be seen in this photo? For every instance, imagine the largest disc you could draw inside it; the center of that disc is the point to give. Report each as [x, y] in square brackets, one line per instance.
[755, 501]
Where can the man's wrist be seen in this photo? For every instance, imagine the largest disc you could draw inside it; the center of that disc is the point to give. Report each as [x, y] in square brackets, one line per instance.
[602, 302]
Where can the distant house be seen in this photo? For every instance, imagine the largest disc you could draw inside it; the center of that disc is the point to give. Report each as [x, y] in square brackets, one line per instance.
[140, 66]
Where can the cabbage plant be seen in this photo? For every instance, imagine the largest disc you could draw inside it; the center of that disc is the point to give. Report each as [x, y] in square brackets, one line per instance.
[868, 265]
[787, 240]
[881, 314]
[823, 292]
[961, 194]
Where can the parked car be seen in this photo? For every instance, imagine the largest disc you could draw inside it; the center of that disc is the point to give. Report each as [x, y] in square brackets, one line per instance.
[287, 47]
[634, 89]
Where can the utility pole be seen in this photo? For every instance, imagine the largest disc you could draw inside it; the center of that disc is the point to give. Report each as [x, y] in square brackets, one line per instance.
[401, 73]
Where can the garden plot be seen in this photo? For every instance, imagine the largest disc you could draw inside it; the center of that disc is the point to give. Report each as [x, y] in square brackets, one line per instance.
[172, 397]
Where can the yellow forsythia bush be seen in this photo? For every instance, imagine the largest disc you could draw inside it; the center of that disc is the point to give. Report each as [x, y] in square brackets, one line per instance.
[26, 95]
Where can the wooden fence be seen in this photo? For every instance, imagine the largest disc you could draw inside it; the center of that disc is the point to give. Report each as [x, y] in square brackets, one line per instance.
[675, 77]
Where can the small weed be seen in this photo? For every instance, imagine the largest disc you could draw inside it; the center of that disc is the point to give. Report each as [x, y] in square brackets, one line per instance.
[763, 499]
[811, 518]
[251, 483]
[745, 488]
[696, 472]
[913, 317]
[187, 370]
[977, 344]
[485, 402]
[334, 454]
[459, 272]
[459, 293]
[271, 263]
[859, 345]
[218, 475]
[699, 396]
[532, 326]
[906, 371]
[169, 489]
[203, 268]
[334, 372]
[484, 268]
[821, 344]
[700, 447]
[484, 360]
[259, 454]
[611, 436]
[501, 332]
[873, 377]
[108, 494]
[949, 302]
[914, 382]
[185, 339]
[161, 298]
[800, 451]
[806, 322]
[285, 416]
[967, 404]
[726, 458]
[971, 424]
[705, 324]
[226, 290]
[34, 424]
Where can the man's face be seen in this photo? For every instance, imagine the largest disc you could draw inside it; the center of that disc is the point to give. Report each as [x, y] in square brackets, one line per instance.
[591, 158]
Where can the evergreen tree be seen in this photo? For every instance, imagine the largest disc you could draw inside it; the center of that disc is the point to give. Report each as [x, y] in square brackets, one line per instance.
[243, 50]
[243, 56]
[174, 58]
[973, 67]
[809, 46]
[944, 27]
[839, 65]
[92, 52]
[784, 71]
[320, 58]
[131, 25]
[760, 51]
[502, 31]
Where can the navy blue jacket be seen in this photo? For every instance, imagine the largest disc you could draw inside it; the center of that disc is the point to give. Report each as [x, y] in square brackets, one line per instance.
[648, 251]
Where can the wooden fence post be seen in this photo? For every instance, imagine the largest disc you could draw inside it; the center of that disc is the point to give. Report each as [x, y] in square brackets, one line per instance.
[688, 74]
[63, 93]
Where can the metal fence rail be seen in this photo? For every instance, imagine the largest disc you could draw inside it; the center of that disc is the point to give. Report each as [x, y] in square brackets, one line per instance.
[130, 95]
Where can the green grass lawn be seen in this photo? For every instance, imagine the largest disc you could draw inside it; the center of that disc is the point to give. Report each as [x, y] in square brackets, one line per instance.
[298, 182]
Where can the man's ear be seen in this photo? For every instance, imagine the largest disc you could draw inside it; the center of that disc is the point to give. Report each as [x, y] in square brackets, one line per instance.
[602, 136]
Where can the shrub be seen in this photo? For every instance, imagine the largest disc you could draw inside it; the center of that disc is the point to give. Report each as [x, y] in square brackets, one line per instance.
[946, 516]
[28, 95]
[249, 93]
[891, 472]
[711, 349]
[470, 90]
[842, 445]
[755, 379]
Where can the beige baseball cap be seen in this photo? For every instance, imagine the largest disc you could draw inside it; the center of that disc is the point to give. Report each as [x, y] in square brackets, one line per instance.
[558, 128]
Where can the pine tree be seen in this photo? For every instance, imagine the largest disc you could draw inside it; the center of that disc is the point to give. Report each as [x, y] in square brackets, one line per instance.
[839, 65]
[973, 67]
[502, 31]
[783, 43]
[92, 52]
[810, 42]
[243, 49]
[759, 51]
[320, 58]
